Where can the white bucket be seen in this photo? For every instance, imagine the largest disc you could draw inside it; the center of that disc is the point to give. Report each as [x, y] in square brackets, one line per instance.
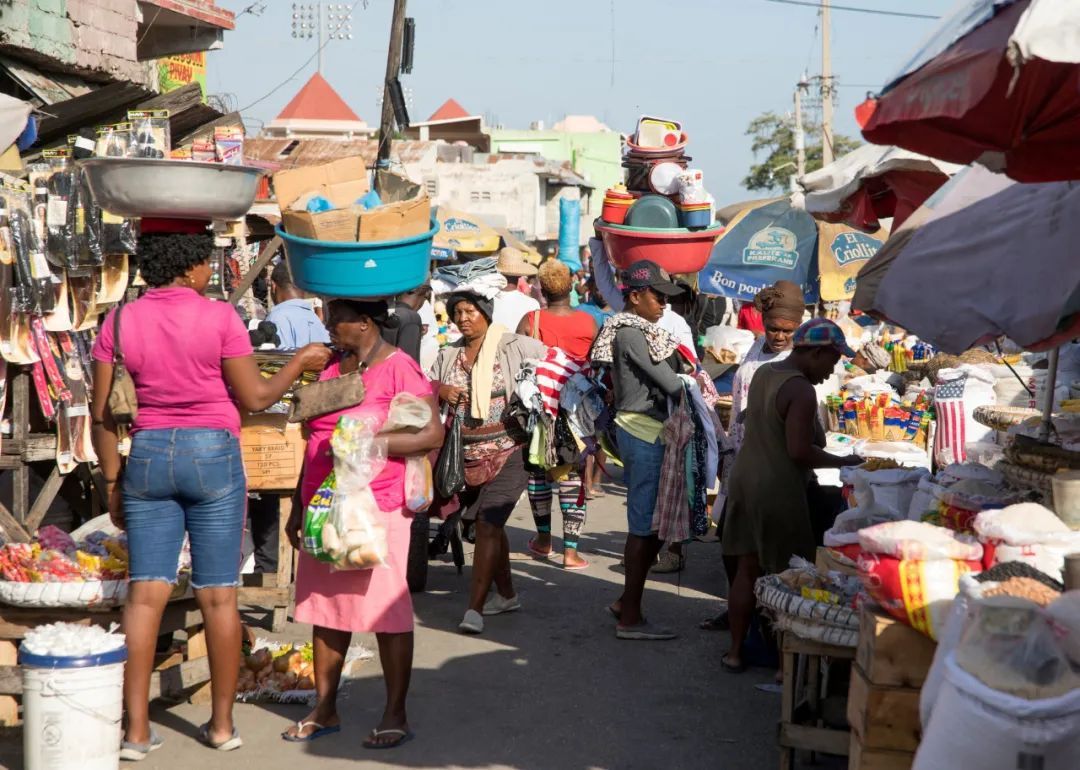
[1066, 486]
[71, 711]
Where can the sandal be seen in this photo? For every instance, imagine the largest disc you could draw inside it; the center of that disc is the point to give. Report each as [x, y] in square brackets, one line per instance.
[537, 552]
[717, 623]
[232, 743]
[318, 733]
[732, 668]
[404, 736]
[137, 752]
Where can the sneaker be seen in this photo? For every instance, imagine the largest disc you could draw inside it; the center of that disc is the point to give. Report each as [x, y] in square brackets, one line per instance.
[644, 632]
[498, 604]
[669, 562]
[472, 623]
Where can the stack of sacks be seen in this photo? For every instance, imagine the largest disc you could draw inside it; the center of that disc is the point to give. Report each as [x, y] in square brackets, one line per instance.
[912, 569]
[1028, 533]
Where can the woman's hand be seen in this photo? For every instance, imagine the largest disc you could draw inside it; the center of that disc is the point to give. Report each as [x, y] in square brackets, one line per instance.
[853, 460]
[449, 394]
[314, 357]
[116, 505]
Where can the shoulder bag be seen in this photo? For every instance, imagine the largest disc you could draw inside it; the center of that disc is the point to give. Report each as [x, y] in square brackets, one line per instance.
[327, 396]
[123, 404]
[450, 467]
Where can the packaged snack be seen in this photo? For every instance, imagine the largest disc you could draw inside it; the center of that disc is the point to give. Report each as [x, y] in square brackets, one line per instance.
[229, 145]
[151, 133]
[204, 151]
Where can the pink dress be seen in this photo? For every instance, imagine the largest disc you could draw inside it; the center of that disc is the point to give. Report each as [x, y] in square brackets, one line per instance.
[372, 600]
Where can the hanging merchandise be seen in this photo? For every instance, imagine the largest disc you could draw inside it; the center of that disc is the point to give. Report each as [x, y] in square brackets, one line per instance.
[150, 133]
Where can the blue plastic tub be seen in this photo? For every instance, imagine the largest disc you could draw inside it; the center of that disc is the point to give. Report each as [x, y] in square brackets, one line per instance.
[694, 218]
[360, 269]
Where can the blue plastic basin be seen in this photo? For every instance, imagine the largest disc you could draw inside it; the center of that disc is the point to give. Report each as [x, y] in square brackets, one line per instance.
[359, 269]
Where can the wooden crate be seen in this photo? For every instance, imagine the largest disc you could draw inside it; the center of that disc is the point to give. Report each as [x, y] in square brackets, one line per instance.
[862, 758]
[883, 717]
[892, 653]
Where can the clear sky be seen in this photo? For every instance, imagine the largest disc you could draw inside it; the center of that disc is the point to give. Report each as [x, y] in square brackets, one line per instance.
[712, 64]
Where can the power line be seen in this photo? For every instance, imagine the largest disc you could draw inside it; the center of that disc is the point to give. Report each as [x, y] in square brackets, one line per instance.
[302, 67]
[876, 11]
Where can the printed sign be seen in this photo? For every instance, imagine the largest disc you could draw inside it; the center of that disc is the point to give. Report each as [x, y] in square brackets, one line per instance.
[177, 71]
[841, 255]
[772, 247]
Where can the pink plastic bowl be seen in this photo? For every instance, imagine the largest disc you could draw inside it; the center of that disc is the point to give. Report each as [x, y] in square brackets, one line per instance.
[677, 251]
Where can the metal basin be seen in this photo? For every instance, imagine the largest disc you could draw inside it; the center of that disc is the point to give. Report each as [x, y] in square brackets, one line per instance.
[180, 189]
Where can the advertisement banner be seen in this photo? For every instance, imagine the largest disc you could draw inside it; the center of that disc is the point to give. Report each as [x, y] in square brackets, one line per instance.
[842, 252]
[763, 245]
[177, 71]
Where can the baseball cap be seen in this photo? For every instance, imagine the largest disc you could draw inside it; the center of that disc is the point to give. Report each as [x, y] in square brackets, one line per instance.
[822, 333]
[645, 274]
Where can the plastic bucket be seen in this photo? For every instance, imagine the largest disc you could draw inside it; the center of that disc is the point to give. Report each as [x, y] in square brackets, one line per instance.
[615, 211]
[1066, 486]
[71, 711]
[696, 217]
[359, 269]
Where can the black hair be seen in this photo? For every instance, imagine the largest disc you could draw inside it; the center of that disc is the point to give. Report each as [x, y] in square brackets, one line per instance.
[377, 310]
[164, 257]
[281, 276]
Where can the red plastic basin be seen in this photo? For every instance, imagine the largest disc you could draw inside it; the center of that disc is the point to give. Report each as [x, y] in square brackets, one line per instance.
[677, 251]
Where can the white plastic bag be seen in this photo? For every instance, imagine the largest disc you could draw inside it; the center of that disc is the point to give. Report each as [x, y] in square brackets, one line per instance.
[889, 490]
[412, 413]
[919, 541]
[1028, 533]
[354, 534]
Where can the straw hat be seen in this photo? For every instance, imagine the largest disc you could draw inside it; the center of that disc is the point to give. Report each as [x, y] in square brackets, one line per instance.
[512, 262]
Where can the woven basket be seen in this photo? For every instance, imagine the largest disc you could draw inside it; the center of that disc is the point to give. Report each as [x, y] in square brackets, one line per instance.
[1003, 417]
[1022, 477]
[1032, 455]
[817, 632]
[773, 594]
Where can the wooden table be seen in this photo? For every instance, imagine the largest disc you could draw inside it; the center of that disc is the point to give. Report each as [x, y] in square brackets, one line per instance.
[183, 672]
[802, 691]
[273, 592]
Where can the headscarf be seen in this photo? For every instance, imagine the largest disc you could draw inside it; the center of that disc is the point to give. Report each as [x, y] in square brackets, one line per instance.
[783, 299]
[483, 304]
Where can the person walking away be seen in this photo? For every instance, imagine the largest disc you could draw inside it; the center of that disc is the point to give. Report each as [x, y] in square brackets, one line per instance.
[338, 604]
[768, 518]
[644, 376]
[191, 363]
[293, 314]
[573, 332]
[476, 374]
[781, 307]
[511, 304]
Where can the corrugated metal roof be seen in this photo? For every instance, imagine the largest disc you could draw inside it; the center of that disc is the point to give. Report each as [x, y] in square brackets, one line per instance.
[293, 153]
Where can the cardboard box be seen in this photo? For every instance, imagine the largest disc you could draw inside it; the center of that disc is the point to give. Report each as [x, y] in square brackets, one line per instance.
[340, 182]
[395, 221]
[273, 452]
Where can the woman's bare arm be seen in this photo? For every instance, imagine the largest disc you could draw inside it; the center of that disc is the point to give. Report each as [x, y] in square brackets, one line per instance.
[254, 392]
[408, 444]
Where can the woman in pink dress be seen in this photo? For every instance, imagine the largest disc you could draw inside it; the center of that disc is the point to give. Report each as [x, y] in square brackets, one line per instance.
[339, 603]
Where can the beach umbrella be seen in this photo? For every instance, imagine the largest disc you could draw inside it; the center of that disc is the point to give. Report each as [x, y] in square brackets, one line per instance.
[997, 82]
[775, 239]
[982, 258]
[872, 183]
[464, 234]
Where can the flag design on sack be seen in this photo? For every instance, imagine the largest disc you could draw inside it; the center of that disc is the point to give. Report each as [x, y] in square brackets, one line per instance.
[950, 443]
[551, 374]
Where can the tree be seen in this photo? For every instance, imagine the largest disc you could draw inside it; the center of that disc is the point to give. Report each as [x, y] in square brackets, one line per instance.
[774, 138]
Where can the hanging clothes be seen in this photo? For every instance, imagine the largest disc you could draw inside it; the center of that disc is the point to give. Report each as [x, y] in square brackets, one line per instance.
[671, 517]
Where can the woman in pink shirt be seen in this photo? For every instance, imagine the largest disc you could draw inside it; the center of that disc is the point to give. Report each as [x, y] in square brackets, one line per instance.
[339, 603]
[191, 363]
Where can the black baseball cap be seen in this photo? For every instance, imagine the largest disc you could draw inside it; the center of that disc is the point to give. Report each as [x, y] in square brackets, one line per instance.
[645, 274]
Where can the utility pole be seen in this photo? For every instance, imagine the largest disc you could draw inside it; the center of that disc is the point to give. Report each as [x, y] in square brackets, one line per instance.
[393, 66]
[826, 88]
[800, 135]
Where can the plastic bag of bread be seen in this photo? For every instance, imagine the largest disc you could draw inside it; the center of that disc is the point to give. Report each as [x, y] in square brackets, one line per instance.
[354, 533]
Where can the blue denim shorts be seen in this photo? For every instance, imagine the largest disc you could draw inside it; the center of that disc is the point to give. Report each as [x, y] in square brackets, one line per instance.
[641, 475]
[185, 480]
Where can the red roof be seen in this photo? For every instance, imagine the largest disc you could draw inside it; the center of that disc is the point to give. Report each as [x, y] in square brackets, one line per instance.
[450, 110]
[317, 100]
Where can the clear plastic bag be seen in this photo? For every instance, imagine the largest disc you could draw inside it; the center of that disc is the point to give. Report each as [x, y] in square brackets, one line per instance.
[353, 534]
[412, 413]
[419, 486]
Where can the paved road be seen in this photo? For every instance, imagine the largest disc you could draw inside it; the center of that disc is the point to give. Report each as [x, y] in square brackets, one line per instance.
[548, 688]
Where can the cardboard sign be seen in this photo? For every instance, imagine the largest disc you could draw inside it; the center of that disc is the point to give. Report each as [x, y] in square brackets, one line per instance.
[273, 452]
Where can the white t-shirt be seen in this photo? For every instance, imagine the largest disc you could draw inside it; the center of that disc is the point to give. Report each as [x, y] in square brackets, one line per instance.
[677, 325]
[511, 307]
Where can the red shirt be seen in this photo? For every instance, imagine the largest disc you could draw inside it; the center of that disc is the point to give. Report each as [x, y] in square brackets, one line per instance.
[750, 319]
[573, 334]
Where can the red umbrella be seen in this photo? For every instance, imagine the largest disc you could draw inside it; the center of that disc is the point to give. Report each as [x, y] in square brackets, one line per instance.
[999, 84]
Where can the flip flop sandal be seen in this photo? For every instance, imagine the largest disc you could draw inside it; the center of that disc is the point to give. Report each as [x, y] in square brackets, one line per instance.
[718, 623]
[137, 752]
[645, 632]
[537, 552]
[229, 744]
[319, 733]
[404, 736]
[730, 668]
[614, 612]
[576, 567]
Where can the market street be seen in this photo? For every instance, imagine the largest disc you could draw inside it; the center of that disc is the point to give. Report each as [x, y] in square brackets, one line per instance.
[548, 687]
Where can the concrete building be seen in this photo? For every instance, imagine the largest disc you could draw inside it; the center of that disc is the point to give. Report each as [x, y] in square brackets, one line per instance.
[318, 112]
[592, 149]
[96, 41]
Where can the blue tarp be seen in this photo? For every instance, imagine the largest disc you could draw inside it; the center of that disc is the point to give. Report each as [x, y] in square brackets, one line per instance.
[761, 246]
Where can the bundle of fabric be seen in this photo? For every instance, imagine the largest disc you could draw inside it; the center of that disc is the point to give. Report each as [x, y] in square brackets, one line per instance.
[478, 276]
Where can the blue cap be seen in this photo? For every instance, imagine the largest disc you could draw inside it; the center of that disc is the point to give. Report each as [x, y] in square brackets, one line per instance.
[822, 333]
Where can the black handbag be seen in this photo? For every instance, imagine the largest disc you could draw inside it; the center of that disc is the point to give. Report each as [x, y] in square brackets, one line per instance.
[450, 467]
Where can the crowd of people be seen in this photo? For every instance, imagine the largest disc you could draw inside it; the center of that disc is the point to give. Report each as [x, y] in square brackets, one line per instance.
[635, 337]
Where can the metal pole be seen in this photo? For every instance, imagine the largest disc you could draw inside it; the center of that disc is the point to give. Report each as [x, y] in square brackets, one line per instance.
[321, 33]
[826, 88]
[800, 137]
[393, 66]
[1048, 403]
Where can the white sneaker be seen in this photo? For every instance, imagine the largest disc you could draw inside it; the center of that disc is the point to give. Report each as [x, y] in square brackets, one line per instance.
[498, 604]
[472, 623]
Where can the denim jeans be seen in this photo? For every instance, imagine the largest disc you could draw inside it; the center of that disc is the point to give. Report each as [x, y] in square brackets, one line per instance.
[185, 480]
[641, 475]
